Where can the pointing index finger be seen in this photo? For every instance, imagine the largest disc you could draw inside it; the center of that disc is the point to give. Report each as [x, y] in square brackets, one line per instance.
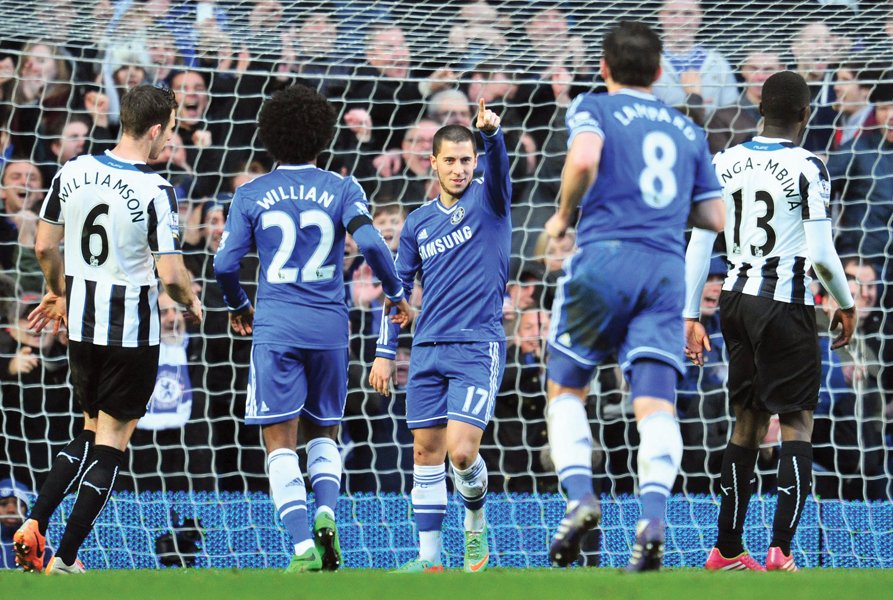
[482, 105]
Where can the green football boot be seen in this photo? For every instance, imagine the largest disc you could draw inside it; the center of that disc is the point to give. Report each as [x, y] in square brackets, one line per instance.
[325, 537]
[309, 561]
[477, 551]
[417, 565]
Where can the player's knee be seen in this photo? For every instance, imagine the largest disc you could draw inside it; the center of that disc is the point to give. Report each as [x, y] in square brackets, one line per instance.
[463, 455]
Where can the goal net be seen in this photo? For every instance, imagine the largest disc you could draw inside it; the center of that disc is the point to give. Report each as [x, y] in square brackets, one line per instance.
[396, 71]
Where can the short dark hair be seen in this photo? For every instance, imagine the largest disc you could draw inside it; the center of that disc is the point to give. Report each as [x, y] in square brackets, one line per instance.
[296, 124]
[452, 133]
[144, 107]
[632, 51]
[785, 97]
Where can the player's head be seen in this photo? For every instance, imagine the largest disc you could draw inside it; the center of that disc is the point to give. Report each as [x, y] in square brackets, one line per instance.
[296, 124]
[631, 55]
[454, 158]
[147, 112]
[785, 100]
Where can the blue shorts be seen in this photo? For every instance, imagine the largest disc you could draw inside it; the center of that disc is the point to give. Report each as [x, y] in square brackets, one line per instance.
[453, 382]
[618, 298]
[286, 382]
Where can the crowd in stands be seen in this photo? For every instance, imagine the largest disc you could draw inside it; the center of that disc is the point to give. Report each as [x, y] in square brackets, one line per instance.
[396, 72]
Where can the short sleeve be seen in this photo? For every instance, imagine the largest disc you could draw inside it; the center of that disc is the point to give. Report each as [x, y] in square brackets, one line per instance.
[164, 222]
[355, 204]
[51, 210]
[815, 189]
[582, 115]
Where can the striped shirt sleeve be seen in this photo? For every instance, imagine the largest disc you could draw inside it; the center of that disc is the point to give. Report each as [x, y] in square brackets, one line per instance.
[815, 190]
[51, 210]
[164, 222]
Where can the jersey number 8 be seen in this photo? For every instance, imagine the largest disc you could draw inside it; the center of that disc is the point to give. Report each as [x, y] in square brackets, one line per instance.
[657, 181]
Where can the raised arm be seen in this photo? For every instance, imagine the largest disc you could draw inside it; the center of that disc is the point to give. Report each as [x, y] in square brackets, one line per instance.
[497, 177]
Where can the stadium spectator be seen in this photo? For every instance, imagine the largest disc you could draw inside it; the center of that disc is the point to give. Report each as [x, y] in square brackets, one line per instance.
[477, 35]
[388, 88]
[204, 131]
[815, 50]
[854, 81]
[63, 141]
[732, 125]
[406, 177]
[862, 180]
[43, 92]
[691, 74]
[555, 54]
[21, 190]
[311, 52]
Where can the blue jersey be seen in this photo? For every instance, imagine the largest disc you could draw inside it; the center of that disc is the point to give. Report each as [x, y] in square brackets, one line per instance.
[654, 164]
[462, 253]
[296, 217]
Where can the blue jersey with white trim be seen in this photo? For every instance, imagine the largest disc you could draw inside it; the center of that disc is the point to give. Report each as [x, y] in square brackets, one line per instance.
[462, 253]
[654, 164]
[296, 217]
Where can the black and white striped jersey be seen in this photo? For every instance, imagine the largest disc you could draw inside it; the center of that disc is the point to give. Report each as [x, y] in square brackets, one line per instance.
[116, 215]
[770, 187]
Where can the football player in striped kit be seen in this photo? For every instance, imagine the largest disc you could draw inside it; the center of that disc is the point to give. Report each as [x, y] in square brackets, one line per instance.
[118, 219]
[777, 227]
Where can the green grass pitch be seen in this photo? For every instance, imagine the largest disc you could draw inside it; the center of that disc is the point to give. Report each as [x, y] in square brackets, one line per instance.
[508, 584]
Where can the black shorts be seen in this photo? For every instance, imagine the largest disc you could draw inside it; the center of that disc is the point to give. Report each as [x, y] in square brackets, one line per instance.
[774, 360]
[115, 380]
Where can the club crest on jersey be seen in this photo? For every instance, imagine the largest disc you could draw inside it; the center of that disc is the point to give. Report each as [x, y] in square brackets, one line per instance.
[458, 216]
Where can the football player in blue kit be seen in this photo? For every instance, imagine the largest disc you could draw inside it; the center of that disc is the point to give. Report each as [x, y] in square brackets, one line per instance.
[639, 170]
[296, 218]
[460, 244]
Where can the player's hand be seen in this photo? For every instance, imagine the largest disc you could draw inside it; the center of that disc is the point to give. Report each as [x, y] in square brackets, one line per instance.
[696, 341]
[193, 312]
[488, 121]
[51, 310]
[380, 375]
[242, 321]
[404, 312]
[846, 319]
[556, 226]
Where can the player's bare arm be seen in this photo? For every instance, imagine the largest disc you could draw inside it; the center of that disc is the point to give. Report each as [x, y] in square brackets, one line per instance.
[52, 307]
[709, 215]
[178, 284]
[580, 170]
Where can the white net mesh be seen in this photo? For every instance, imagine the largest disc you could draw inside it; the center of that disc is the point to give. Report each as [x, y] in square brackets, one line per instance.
[397, 71]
